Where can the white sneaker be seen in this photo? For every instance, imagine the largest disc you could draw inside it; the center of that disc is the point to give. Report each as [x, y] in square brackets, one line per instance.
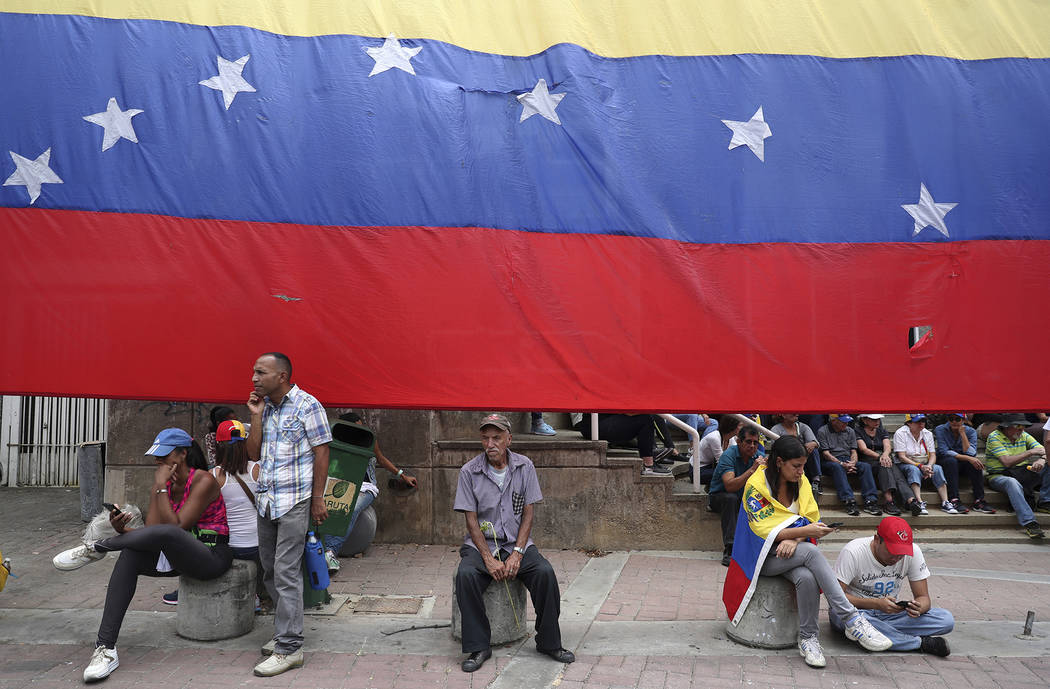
[922, 507]
[810, 650]
[333, 563]
[861, 631]
[75, 558]
[103, 662]
[948, 507]
[277, 663]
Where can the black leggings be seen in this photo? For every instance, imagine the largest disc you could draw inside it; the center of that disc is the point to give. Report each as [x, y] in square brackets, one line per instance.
[139, 550]
[619, 428]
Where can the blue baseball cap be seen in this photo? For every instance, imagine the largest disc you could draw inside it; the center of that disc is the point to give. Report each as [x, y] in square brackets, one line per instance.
[844, 418]
[167, 440]
[908, 418]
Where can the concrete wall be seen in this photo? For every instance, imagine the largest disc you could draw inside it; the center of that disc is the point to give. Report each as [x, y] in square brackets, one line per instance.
[589, 502]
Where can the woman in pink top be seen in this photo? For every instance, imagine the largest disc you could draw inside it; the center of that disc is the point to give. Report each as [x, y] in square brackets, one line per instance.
[185, 533]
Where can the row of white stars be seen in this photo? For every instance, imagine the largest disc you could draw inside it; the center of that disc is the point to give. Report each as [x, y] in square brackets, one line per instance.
[116, 125]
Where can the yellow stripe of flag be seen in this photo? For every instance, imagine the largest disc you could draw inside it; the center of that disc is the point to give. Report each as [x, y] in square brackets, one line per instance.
[967, 29]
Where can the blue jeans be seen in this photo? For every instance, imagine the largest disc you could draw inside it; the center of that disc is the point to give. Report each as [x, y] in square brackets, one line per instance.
[694, 421]
[1016, 493]
[913, 474]
[334, 543]
[903, 630]
[839, 475]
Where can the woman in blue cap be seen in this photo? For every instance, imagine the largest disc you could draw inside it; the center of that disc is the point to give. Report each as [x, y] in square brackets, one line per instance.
[185, 533]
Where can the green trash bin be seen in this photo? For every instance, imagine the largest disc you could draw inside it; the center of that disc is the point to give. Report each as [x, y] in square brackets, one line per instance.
[349, 453]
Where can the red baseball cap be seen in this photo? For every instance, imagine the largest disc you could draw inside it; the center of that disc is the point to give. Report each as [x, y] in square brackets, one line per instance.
[896, 534]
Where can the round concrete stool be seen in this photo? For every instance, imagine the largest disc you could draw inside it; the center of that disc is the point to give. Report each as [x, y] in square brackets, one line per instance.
[361, 537]
[219, 608]
[502, 627]
[771, 618]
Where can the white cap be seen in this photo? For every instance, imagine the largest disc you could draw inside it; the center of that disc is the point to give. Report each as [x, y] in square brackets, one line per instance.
[870, 416]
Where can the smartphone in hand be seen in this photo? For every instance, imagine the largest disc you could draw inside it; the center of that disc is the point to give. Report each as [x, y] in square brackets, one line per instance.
[111, 507]
[903, 603]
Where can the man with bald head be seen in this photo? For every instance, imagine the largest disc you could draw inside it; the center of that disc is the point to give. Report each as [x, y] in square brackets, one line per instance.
[289, 437]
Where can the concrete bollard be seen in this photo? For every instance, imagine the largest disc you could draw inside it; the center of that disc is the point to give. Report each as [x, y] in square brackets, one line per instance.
[91, 472]
[497, 608]
[771, 618]
[220, 608]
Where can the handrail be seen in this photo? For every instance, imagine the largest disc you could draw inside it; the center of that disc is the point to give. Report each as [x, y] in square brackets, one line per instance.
[758, 427]
[694, 437]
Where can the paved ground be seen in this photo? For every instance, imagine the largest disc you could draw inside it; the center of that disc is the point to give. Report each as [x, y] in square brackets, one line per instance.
[635, 619]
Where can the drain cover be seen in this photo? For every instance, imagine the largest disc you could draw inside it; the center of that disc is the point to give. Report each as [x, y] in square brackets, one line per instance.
[382, 605]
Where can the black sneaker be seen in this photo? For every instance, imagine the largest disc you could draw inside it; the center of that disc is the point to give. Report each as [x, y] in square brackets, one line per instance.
[935, 646]
[872, 507]
[982, 506]
[664, 456]
[656, 470]
[959, 507]
[1033, 530]
[915, 507]
[727, 555]
[171, 598]
[1043, 507]
[891, 509]
[851, 509]
[815, 485]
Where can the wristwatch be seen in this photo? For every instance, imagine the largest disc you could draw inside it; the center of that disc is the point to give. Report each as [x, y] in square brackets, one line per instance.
[519, 550]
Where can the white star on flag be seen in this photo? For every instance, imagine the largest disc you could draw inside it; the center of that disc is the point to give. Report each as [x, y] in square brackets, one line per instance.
[116, 123]
[752, 134]
[392, 55]
[540, 101]
[927, 213]
[31, 174]
[229, 79]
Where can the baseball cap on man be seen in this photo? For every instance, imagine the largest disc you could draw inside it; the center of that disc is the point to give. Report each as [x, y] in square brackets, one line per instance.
[908, 418]
[896, 533]
[844, 418]
[230, 430]
[167, 440]
[958, 415]
[498, 420]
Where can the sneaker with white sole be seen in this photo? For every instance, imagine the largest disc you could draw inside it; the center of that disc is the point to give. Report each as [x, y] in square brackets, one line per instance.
[812, 652]
[75, 558]
[542, 428]
[278, 663]
[922, 507]
[102, 664]
[859, 629]
[948, 507]
[656, 470]
[330, 559]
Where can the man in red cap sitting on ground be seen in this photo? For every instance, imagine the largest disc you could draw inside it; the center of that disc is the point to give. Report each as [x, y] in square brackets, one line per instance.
[872, 571]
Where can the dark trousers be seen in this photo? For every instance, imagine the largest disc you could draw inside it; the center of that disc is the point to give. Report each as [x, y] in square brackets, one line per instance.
[728, 507]
[889, 478]
[841, 478]
[139, 550]
[620, 428]
[472, 578]
[952, 468]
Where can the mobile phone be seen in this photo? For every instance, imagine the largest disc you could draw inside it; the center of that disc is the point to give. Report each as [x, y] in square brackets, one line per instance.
[835, 525]
[111, 507]
[903, 603]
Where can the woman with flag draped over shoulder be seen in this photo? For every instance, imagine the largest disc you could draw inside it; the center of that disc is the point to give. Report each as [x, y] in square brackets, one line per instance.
[779, 514]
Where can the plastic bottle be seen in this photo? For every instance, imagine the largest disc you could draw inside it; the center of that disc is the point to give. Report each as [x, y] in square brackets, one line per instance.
[316, 567]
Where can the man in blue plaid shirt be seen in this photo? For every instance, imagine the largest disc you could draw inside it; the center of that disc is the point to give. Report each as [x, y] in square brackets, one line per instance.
[289, 436]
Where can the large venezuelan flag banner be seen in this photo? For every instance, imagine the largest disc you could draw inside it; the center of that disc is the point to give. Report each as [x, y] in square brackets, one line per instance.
[662, 205]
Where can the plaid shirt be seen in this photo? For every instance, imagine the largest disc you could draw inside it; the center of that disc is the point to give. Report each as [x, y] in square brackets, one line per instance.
[290, 432]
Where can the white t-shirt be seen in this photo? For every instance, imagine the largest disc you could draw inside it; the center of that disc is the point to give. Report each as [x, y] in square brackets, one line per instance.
[710, 450]
[500, 476]
[866, 577]
[904, 441]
